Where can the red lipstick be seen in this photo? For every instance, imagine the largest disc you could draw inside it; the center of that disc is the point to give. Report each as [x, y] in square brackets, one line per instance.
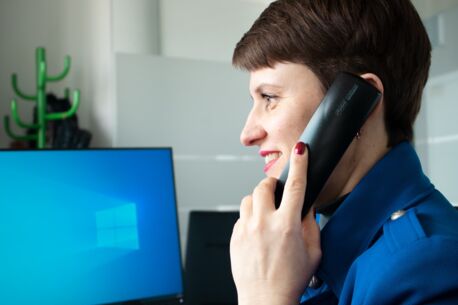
[264, 153]
[269, 165]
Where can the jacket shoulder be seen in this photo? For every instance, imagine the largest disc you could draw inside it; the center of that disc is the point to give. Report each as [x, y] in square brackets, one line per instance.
[414, 261]
[433, 218]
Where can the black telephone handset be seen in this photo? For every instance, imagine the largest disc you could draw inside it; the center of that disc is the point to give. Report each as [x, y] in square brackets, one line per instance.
[335, 123]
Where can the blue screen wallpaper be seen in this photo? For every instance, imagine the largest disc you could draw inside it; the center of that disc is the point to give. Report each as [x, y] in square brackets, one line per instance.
[87, 227]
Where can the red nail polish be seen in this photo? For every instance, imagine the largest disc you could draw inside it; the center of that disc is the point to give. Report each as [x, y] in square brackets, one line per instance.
[299, 149]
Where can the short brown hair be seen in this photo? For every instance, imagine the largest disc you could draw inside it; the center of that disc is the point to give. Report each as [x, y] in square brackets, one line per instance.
[384, 37]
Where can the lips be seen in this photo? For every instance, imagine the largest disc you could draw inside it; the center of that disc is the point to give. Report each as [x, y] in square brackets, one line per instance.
[270, 157]
[269, 165]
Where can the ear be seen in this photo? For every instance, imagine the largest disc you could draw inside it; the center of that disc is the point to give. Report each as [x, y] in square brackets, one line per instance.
[374, 80]
[374, 131]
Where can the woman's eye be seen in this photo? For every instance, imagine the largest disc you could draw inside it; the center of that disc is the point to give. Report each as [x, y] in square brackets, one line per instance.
[269, 99]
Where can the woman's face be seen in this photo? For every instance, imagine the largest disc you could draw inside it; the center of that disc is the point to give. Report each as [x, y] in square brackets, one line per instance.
[284, 99]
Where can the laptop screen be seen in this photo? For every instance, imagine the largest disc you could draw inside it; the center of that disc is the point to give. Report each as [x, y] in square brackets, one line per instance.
[88, 227]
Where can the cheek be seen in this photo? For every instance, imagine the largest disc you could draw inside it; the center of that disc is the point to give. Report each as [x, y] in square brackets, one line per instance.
[287, 128]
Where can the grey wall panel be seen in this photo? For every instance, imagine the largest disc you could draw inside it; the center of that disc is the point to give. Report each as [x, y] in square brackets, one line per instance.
[198, 108]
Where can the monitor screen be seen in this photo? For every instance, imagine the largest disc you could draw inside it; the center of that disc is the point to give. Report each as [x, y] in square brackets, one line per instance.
[84, 227]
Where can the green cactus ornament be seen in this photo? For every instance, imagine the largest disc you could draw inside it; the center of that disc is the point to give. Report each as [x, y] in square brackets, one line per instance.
[39, 98]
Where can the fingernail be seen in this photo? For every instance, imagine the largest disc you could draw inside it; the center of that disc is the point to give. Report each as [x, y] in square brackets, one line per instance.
[299, 149]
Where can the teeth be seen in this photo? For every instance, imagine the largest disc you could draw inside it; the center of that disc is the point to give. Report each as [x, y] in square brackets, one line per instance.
[271, 157]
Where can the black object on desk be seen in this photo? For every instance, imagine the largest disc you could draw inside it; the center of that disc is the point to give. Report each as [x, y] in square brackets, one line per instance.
[208, 278]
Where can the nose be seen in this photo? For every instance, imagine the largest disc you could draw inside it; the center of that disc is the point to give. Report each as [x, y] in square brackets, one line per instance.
[253, 131]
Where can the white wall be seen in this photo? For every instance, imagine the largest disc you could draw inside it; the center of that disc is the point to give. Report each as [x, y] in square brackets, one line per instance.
[428, 8]
[436, 129]
[81, 29]
[205, 29]
[136, 26]
[197, 29]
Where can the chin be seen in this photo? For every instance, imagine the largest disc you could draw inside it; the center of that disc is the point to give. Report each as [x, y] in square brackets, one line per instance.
[275, 172]
[276, 176]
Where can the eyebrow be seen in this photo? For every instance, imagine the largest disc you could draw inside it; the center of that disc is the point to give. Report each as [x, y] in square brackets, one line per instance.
[264, 85]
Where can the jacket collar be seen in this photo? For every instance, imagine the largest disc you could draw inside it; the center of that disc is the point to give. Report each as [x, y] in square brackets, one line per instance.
[395, 182]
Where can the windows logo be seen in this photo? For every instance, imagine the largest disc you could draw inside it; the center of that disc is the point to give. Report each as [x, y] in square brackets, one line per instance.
[117, 227]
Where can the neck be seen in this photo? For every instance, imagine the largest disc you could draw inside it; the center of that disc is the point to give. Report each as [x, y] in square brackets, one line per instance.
[360, 157]
[368, 153]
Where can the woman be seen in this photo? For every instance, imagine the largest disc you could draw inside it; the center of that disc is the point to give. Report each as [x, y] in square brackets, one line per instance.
[390, 237]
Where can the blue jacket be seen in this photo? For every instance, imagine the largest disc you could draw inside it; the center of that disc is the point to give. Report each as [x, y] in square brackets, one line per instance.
[372, 256]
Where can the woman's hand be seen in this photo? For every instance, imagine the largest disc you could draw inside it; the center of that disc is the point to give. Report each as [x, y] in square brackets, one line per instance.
[273, 253]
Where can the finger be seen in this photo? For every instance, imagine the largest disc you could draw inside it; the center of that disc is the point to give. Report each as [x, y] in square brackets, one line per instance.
[294, 192]
[310, 228]
[311, 236]
[246, 208]
[235, 231]
[263, 197]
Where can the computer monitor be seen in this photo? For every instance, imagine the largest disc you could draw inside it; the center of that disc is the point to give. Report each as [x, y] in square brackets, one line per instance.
[82, 227]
